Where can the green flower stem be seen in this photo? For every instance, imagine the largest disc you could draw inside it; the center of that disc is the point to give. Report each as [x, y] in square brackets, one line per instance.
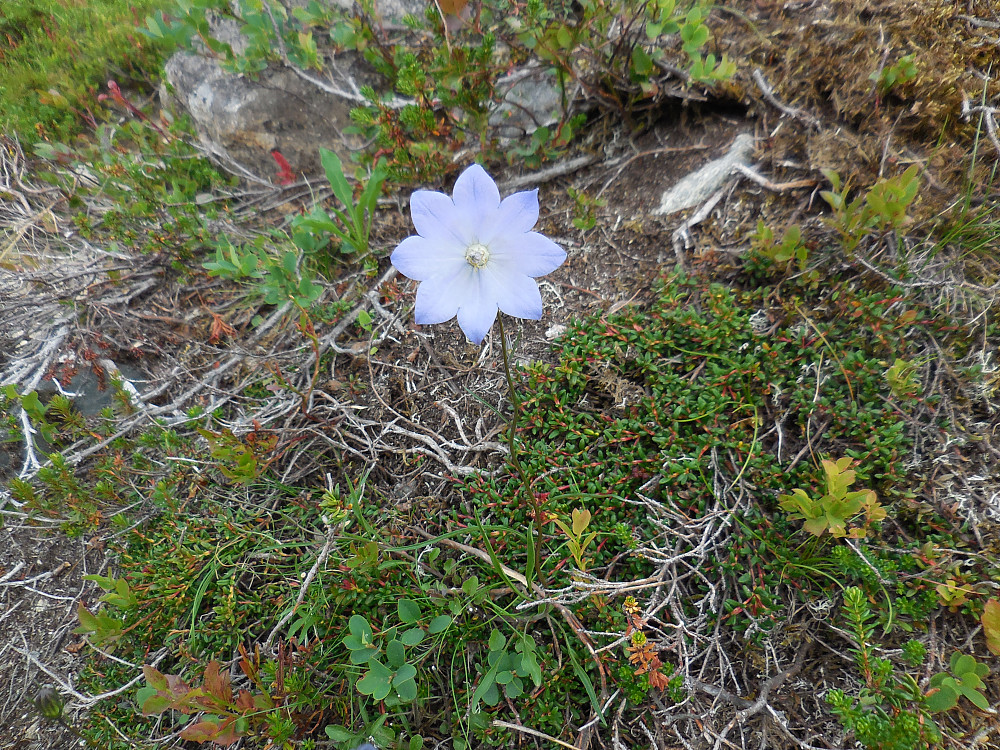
[535, 527]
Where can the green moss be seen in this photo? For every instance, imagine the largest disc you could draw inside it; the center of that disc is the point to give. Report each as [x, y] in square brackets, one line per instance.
[56, 56]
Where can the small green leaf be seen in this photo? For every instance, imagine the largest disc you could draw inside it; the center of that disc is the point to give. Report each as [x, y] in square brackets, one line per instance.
[338, 733]
[88, 620]
[962, 663]
[977, 699]
[404, 673]
[514, 688]
[530, 668]
[151, 703]
[395, 654]
[408, 610]
[354, 643]
[497, 641]
[335, 175]
[439, 624]
[359, 626]
[491, 696]
[406, 690]
[412, 637]
[363, 655]
[642, 63]
[942, 699]
[376, 682]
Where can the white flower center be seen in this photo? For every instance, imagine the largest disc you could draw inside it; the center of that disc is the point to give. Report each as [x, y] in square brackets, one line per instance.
[478, 255]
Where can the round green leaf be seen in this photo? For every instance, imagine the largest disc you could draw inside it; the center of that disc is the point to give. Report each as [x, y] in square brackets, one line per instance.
[404, 673]
[491, 696]
[408, 610]
[412, 637]
[941, 700]
[407, 690]
[363, 655]
[439, 624]
[354, 643]
[359, 627]
[376, 682]
[497, 641]
[514, 688]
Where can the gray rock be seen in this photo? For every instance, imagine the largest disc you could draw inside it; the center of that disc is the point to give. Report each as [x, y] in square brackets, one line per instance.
[241, 119]
[531, 99]
[386, 10]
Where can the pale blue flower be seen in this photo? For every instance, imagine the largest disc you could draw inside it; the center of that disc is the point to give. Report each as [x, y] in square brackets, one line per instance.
[475, 254]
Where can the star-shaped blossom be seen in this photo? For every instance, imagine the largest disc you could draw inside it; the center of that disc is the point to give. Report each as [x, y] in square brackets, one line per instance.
[474, 254]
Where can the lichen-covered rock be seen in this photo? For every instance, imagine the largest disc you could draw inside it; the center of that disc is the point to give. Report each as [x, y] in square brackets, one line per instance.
[241, 119]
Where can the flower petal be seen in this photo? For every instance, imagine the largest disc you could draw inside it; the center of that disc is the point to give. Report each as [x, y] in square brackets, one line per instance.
[439, 298]
[436, 217]
[531, 253]
[421, 259]
[518, 213]
[477, 319]
[476, 196]
[518, 294]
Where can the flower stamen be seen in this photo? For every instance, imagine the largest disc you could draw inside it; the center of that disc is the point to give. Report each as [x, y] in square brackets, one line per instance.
[478, 255]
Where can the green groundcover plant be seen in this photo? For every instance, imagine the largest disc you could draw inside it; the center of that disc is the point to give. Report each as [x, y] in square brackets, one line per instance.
[58, 56]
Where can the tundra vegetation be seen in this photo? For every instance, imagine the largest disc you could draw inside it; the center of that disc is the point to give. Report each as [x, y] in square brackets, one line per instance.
[745, 494]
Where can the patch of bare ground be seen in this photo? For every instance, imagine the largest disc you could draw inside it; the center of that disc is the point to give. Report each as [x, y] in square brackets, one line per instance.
[41, 584]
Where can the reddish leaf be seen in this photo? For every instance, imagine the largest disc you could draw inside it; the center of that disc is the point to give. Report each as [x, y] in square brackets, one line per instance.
[219, 328]
[205, 730]
[217, 684]
[659, 680]
[228, 734]
[220, 731]
[176, 686]
[285, 174]
[244, 702]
